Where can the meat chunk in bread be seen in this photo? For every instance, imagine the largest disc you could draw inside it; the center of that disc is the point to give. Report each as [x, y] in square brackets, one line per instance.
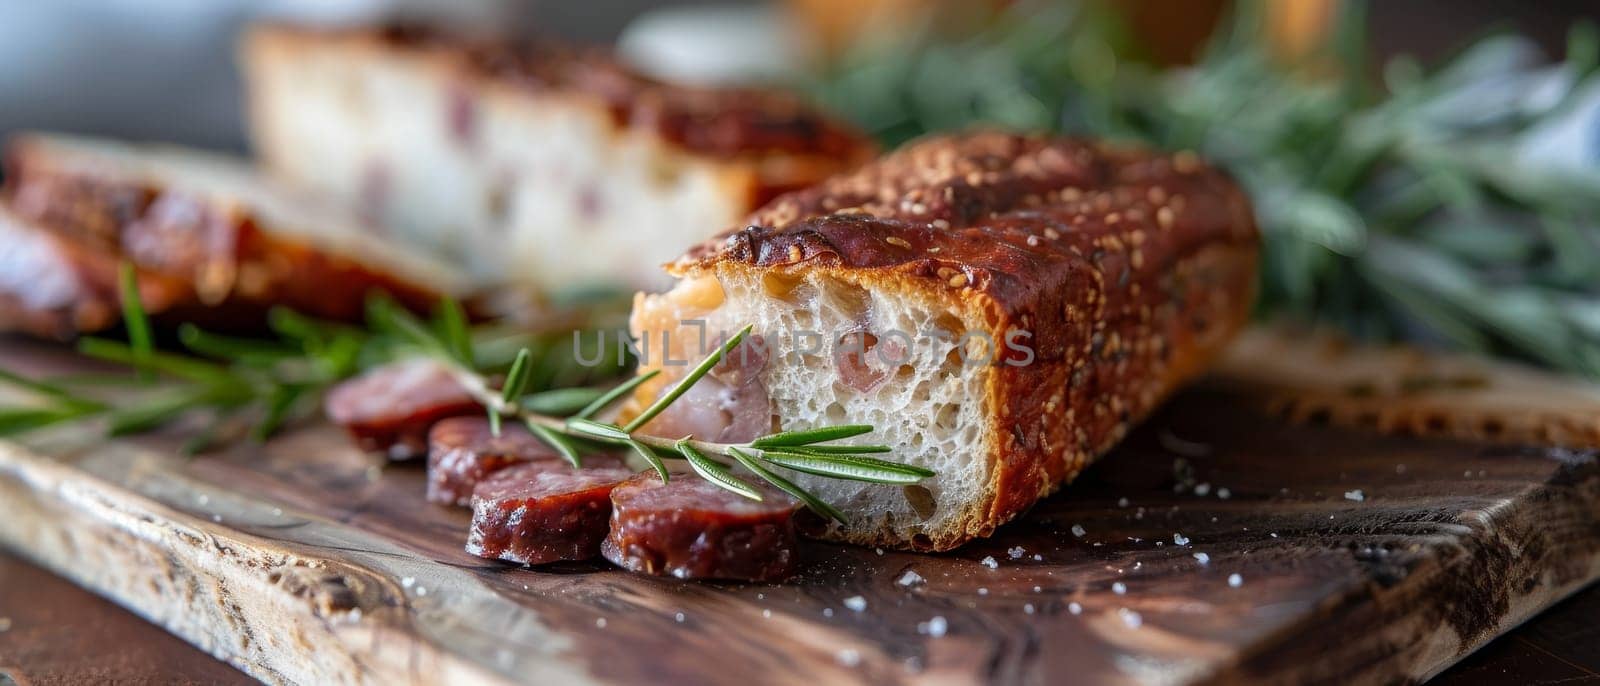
[520, 161]
[225, 243]
[1002, 308]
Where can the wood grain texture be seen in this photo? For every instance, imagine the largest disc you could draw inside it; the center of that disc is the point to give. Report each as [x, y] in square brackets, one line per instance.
[1361, 559]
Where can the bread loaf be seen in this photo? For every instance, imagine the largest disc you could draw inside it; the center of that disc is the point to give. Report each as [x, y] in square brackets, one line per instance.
[534, 164]
[1001, 308]
[212, 240]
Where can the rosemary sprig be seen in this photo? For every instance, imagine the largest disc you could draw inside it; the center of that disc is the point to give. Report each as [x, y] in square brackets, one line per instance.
[1436, 206]
[809, 451]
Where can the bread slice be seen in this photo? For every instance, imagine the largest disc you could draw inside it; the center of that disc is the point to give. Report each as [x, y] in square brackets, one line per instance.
[533, 164]
[226, 243]
[1002, 308]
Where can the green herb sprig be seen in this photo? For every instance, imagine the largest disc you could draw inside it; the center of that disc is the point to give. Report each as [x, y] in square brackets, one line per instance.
[245, 387]
[1404, 209]
[810, 451]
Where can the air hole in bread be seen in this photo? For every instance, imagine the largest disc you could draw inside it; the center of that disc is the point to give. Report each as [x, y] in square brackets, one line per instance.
[787, 287]
[852, 302]
[921, 501]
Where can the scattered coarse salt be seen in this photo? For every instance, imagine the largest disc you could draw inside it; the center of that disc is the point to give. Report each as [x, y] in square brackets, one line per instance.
[766, 614]
[1180, 539]
[1075, 608]
[1273, 534]
[1122, 502]
[1203, 558]
[216, 518]
[1016, 553]
[407, 582]
[1130, 618]
[1078, 530]
[422, 590]
[983, 590]
[935, 627]
[1119, 588]
[848, 657]
[1235, 580]
[678, 617]
[1027, 608]
[1355, 495]
[879, 551]
[910, 578]
[600, 622]
[989, 561]
[277, 512]
[856, 603]
[203, 499]
[1224, 493]
[827, 612]
[1202, 489]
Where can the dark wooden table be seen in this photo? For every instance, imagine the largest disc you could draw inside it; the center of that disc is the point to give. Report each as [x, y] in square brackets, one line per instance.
[52, 632]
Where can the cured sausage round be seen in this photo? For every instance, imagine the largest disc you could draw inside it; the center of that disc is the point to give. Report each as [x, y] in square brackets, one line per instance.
[463, 451]
[691, 529]
[391, 408]
[533, 514]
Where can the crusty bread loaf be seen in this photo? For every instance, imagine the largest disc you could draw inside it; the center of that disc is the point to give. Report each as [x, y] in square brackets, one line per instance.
[528, 163]
[223, 242]
[1123, 271]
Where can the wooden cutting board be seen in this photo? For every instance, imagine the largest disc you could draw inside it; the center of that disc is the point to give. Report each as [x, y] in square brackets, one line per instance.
[1218, 544]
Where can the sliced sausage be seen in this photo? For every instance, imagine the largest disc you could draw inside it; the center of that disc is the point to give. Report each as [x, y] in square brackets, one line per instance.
[533, 514]
[691, 529]
[391, 408]
[463, 451]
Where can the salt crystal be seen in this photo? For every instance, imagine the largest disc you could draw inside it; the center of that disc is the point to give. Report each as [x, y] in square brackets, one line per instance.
[216, 518]
[1037, 589]
[910, 578]
[1235, 580]
[849, 657]
[1078, 530]
[1038, 558]
[1075, 608]
[856, 603]
[827, 612]
[203, 499]
[1122, 502]
[1180, 539]
[935, 627]
[678, 617]
[1224, 493]
[422, 590]
[1273, 534]
[277, 512]
[1202, 489]
[983, 590]
[879, 551]
[1016, 552]
[766, 614]
[1027, 608]
[1203, 558]
[600, 622]
[1119, 588]
[1130, 618]
[1355, 495]
[989, 561]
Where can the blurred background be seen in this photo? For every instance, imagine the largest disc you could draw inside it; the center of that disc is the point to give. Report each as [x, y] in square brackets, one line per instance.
[163, 69]
[1426, 170]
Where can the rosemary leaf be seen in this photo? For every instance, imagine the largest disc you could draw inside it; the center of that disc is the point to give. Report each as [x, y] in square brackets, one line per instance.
[19, 420]
[598, 429]
[453, 329]
[615, 394]
[650, 456]
[840, 449]
[816, 504]
[517, 379]
[134, 318]
[560, 402]
[852, 467]
[559, 442]
[48, 389]
[243, 350]
[809, 436]
[688, 381]
[280, 401]
[189, 368]
[713, 471]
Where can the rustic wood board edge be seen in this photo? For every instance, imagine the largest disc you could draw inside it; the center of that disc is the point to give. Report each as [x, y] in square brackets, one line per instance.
[274, 610]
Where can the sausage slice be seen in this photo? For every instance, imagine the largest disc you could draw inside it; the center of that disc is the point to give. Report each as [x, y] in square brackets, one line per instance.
[534, 514]
[691, 529]
[391, 408]
[463, 451]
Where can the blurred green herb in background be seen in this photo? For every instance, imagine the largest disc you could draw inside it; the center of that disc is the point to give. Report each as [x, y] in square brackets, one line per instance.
[1402, 207]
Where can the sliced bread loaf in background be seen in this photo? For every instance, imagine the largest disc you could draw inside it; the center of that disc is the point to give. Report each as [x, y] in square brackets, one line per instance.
[534, 164]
